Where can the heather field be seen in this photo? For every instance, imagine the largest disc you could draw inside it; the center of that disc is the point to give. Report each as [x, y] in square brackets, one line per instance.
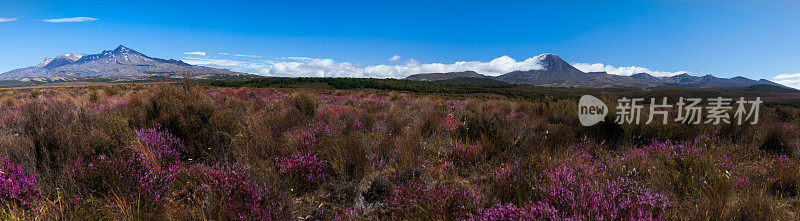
[173, 152]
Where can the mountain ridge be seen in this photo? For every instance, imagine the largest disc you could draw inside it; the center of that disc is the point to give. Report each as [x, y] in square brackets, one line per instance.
[445, 76]
[126, 63]
[558, 73]
[121, 62]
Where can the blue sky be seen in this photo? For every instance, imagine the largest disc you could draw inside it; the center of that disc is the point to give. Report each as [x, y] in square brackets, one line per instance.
[755, 39]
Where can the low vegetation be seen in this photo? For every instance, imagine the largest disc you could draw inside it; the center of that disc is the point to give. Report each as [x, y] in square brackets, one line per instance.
[410, 150]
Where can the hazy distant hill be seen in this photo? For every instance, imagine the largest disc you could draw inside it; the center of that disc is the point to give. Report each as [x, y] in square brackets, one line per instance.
[470, 80]
[558, 73]
[444, 76]
[771, 89]
[121, 62]
[128, 64]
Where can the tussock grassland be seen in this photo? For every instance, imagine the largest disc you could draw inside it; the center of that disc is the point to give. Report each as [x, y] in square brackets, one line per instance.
[155, 152]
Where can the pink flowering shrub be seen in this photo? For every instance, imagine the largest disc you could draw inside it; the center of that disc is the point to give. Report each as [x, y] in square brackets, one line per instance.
[155, 178]
[450, 122]
[581, 196]
[307, 135]
[335, 111]
[332, 99]
[499, 212]
[668, 149]
[342, 154]
[507, 171]
[357, 124]
[307, 138]
[241, 197]
[162, 145]
[157, 164]
[780, 161]
[306, 170]
[146, 172]
[741, 181]
[442, 167]
[415, 197]
[686, 170]
[16, 185]
[464, 154]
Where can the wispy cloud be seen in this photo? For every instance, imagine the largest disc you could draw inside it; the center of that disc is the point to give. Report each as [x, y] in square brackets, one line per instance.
[7, 19]
[321, 67]
[75, 19]
[247, 55]
[296, 58]
[625, 71]
[787, 76]
[789, 80]
[201, 53]
[240, 66]
[240, 55]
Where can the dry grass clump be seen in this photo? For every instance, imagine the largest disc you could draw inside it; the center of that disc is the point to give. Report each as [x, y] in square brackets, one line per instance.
[130, 152]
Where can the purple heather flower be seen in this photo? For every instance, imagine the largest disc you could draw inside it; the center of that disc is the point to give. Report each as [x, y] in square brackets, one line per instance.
[243, 198]
[444, 198]
[670, 149]
[304, 167]
[307, 139]
[357, 124]
[16, 185]
[537, 211]
[780, 161]
[741, 181]
[444, 166]
[335, 111]
[506, 172]
[462, 154]
[581, 196]
[162, 142]
[450, 122]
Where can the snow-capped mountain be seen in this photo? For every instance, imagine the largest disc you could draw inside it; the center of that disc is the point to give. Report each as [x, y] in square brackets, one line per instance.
[121, 62]
[558, 73]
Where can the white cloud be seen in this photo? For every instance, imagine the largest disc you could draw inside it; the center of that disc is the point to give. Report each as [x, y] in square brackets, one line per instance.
[201, 53]
[239, 66]
[7, 19]
[247, 55]
[319, 67]
[789, 80]
[296, 58]
[787, 76]
[330, 68]
[240, 55]
[625, 71]
[75, 19]
[394, 58]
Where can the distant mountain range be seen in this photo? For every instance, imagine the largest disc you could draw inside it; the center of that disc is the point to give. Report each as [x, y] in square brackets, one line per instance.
[125, 64]
[121, 62]
[558, 73]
